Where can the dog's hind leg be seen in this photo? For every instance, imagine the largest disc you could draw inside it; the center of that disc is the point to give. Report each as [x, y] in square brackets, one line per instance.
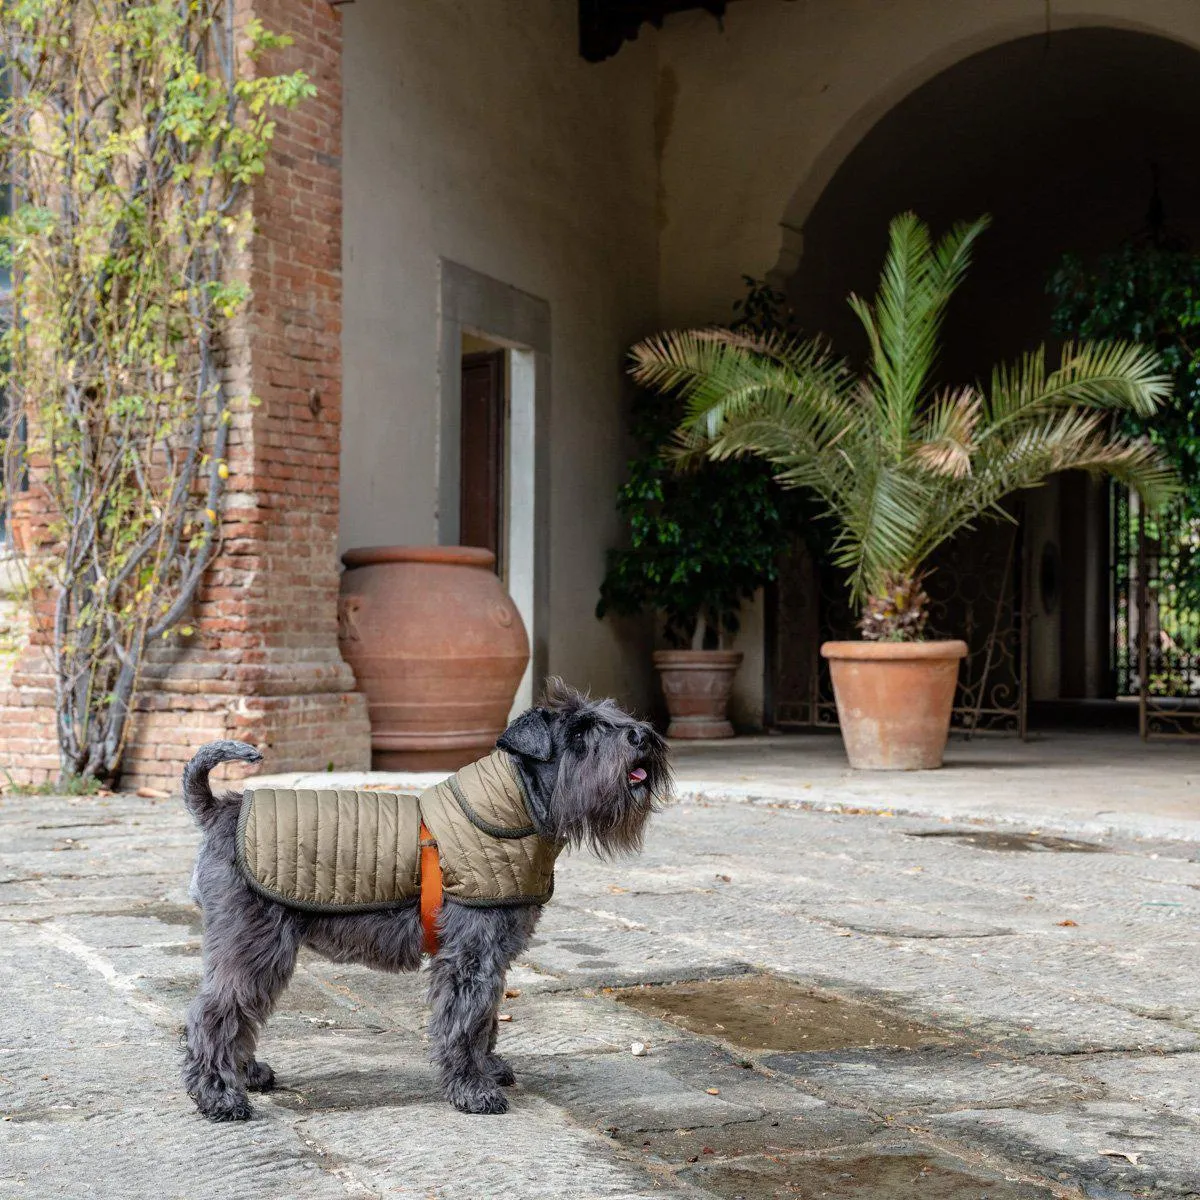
[259, 1076]
[250, 951]
[466, 984]
[497, 1066]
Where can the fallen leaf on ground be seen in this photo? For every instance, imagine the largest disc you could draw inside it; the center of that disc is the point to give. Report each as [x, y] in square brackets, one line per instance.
[1125, 1154]
[725, 878]
[713, 1091]
[511, 993]
[149, 793]
[1070, 924]
[504, 1017]
[617, 891]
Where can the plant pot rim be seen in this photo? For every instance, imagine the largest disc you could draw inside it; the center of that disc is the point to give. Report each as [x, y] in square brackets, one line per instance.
[713, 658]
[895, 651]
[457, 556]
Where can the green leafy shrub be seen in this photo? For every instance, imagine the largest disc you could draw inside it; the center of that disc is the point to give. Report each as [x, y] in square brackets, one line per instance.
[1146, 291]
[702, 539]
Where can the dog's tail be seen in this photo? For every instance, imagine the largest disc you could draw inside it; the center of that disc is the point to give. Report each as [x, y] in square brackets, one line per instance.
[197, 795]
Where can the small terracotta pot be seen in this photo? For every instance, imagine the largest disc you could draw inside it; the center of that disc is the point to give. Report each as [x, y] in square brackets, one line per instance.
[437, 646]
[894, 701]
[697, 685]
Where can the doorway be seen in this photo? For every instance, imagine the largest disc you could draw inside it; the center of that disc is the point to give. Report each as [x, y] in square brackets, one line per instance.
[493, 446]
[482, 451]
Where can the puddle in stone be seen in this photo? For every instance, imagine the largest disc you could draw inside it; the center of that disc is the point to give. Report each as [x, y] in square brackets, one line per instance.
[346, 1091]
[873, 1177]
[1009, 842]
[761, 1012]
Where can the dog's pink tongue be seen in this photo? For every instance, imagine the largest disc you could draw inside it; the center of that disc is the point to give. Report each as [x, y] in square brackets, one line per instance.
[637, 775]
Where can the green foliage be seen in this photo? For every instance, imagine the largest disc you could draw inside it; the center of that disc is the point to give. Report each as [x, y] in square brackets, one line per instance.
[701, 539]
[132, 136]
[67, 785]
[1150, 293]
[902, 464]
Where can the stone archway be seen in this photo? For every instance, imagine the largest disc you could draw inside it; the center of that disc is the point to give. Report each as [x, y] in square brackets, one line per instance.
[1054, 136]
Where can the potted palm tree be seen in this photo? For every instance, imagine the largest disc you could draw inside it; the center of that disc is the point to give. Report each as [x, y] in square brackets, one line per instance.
[902, 464]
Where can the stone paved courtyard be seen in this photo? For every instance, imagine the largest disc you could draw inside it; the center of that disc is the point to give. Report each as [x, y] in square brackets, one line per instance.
[879, 1006]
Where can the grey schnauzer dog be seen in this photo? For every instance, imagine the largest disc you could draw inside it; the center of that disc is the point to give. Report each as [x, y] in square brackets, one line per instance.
[591, 774]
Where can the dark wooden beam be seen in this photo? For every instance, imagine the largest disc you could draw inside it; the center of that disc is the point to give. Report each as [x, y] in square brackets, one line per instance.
[604, 25]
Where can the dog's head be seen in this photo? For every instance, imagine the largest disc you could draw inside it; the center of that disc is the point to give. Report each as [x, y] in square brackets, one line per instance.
[594, 774]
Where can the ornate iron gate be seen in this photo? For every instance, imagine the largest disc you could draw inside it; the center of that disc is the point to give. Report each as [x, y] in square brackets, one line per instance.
[1156, 615]
[976, 587]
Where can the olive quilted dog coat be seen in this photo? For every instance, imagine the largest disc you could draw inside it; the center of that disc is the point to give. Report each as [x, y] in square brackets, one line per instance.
[334, 851]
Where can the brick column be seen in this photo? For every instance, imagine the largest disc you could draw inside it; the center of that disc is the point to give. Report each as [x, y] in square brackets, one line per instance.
[263, 664]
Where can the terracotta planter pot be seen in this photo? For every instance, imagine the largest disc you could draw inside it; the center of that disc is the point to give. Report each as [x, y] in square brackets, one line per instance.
[697, 685]
[894, 701]
[437, 646]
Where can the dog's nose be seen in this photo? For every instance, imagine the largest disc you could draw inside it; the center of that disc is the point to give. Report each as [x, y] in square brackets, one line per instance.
[637, 737]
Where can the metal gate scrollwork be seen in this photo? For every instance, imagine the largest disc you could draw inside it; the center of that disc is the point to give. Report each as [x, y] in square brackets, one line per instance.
[1156, 606]
[976, 590]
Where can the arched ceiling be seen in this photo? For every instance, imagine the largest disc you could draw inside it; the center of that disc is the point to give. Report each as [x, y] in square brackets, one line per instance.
[1054, 137]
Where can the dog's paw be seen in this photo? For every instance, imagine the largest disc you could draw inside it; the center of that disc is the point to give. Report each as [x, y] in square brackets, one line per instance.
[485, 1101]
[259, 1076]
[225, 1106]
[500, 1071]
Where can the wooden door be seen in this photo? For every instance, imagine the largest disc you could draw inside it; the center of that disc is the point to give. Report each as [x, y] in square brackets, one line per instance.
[481, 479]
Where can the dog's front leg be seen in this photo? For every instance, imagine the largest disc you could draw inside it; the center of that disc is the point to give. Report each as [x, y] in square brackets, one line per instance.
[466, 983]
[497, 1066]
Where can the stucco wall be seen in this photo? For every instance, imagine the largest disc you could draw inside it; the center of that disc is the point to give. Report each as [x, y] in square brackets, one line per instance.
[475, 133]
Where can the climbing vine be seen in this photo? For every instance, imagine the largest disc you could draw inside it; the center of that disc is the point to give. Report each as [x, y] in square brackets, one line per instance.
[132, 134]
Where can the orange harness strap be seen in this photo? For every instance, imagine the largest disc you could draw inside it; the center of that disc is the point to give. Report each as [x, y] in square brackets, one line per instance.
[431, 889]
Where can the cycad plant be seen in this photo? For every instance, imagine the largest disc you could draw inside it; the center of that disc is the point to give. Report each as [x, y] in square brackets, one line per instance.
[901, 462]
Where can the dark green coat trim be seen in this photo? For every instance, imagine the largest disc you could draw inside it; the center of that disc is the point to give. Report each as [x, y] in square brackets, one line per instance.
[496, 831]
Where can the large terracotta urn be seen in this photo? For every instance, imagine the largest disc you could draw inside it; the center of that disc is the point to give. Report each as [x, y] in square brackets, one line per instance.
[437, 646]
[697, 685]
[894, 701]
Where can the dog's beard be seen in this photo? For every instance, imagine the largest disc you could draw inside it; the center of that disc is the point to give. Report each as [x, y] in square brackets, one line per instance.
[604, 805]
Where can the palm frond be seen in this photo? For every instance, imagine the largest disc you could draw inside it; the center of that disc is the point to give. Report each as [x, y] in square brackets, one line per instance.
[723, 375]
[946, 439]
[903, 324]
[1065, 440]
[1110, 375]
[882, 519]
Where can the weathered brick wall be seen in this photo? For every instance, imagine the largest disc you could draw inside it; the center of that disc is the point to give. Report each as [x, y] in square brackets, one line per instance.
[263, 664]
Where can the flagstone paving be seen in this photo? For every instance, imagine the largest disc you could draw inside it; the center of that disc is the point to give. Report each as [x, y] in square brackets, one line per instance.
[834, 1004]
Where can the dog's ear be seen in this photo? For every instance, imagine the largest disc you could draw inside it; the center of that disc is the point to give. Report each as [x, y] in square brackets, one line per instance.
[529, 736]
